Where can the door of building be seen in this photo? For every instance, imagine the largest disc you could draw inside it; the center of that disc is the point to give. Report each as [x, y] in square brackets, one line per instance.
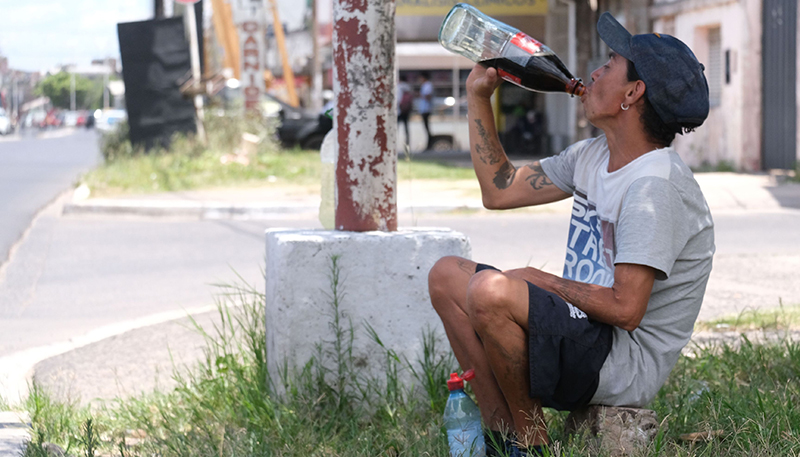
[779, 70]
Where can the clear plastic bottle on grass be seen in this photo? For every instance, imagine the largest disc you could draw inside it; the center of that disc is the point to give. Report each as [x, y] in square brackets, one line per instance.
[462, 420]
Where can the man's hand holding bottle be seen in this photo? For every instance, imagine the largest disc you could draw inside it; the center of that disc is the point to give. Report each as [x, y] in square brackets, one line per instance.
[482, 82]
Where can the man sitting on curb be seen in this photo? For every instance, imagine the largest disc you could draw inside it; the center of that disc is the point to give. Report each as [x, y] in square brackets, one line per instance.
[638, 254]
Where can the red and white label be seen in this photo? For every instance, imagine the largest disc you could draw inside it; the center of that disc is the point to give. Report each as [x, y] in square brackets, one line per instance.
[508, 76]
[526, 43]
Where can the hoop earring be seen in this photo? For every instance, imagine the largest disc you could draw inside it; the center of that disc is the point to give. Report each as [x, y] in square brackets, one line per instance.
[624, 108]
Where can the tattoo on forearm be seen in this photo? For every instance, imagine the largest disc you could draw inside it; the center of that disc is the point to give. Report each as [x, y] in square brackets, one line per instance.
[487, 153]
[538, 179]
[505, 176]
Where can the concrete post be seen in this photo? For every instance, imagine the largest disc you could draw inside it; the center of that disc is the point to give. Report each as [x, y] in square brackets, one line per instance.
[365, 114]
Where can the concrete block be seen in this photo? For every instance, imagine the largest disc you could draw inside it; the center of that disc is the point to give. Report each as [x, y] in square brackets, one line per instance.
[383, 282]
[620, 431]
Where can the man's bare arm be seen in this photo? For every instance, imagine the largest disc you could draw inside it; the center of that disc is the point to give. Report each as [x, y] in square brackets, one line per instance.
[502, 185]
[622, 305]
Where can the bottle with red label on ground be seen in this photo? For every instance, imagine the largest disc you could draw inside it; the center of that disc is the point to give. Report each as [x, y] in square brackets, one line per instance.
[517, 57]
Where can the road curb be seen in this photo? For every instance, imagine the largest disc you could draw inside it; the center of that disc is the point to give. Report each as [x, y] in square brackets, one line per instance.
[213, 210]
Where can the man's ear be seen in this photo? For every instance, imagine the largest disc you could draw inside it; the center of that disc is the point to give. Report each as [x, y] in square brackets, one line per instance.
[635, 92]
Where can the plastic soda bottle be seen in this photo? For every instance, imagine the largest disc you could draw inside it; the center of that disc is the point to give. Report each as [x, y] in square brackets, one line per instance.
[517, 57]
[462, 419]
[327, 205]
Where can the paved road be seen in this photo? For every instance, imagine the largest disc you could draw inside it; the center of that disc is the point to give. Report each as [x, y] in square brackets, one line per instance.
[33, 172]
[102, 270]
[77, 273]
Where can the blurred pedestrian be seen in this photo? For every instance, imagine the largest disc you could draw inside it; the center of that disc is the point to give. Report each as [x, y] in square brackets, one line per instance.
[425, 103]
[405, 103]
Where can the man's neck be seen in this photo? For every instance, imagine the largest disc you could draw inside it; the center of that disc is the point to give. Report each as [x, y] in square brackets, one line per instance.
[626, 145]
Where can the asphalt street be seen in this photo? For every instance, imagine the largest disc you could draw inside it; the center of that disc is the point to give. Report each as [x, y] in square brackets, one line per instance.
[33, 172]
[74, 274]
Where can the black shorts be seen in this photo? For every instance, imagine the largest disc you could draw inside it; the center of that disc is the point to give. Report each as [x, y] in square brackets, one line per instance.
[566, 350]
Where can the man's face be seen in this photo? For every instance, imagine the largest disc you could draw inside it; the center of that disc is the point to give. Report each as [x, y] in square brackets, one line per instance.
[607, 90]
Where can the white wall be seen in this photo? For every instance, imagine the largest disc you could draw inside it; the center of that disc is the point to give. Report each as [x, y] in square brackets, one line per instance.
[733, 128]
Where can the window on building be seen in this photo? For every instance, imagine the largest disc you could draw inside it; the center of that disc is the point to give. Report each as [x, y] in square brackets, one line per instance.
[714, 69]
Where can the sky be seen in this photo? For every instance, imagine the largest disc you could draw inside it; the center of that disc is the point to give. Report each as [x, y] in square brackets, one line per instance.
[37, 35]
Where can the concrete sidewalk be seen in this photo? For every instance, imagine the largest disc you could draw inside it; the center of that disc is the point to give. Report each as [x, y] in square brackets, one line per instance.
[723, 192]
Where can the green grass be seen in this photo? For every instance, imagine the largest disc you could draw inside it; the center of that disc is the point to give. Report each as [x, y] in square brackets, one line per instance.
[781, 318]
[188, 165]
[747, 394]
[721, 166]
[164, 172]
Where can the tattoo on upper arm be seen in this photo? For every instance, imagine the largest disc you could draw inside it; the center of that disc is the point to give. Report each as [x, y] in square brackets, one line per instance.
[505, 176]
[487, 153]
[538, 179]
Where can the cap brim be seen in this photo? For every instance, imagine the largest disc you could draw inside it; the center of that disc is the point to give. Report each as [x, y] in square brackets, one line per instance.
[615, 35]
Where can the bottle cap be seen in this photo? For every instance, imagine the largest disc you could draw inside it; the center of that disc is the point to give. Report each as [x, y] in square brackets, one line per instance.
[455, 383]
[468, 375]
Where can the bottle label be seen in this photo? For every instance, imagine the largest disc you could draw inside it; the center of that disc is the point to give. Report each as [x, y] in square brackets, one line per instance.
[526, 43]
[508, 76]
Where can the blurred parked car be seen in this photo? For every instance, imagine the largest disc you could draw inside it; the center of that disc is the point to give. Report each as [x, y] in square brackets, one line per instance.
[107, 121]
[53, 119]
[5, 123]
[74, 119]
[298, 126]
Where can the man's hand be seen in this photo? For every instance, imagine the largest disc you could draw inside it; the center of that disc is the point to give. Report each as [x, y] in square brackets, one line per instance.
[622, 305]
[482, 82]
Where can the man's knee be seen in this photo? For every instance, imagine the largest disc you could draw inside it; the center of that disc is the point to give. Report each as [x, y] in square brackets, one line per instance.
[442, 278]
[488, 296]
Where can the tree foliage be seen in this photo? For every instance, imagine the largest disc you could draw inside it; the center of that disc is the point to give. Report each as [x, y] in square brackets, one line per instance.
[88, 93]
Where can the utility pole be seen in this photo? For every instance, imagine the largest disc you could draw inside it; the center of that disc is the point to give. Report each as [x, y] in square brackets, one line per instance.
[195, 51]
[366, 115]
[316, 75]
[72, 90]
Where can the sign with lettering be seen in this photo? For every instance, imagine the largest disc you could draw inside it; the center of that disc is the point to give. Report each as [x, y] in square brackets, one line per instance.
[249, 18]
[490, 7]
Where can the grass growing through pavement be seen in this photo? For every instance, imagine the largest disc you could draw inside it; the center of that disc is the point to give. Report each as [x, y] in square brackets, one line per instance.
[188, 165]
[737, 400]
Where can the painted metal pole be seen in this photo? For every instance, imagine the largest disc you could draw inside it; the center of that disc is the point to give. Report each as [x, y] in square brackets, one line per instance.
[365, 114]
[194, 48]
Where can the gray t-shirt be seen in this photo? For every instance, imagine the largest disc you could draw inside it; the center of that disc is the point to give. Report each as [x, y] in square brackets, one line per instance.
[650, 212]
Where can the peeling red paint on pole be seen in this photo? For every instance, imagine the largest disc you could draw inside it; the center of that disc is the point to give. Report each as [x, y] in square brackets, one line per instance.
[366, 116]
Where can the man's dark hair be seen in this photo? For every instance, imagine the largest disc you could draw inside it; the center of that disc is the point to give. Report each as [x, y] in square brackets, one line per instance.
[426, 75]
[659, 132]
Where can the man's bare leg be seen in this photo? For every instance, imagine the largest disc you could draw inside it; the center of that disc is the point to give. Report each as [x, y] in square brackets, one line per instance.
[447, 282]
[497, 306]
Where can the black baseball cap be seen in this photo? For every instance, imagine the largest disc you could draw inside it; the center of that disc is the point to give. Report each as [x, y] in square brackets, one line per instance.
[674, 79]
